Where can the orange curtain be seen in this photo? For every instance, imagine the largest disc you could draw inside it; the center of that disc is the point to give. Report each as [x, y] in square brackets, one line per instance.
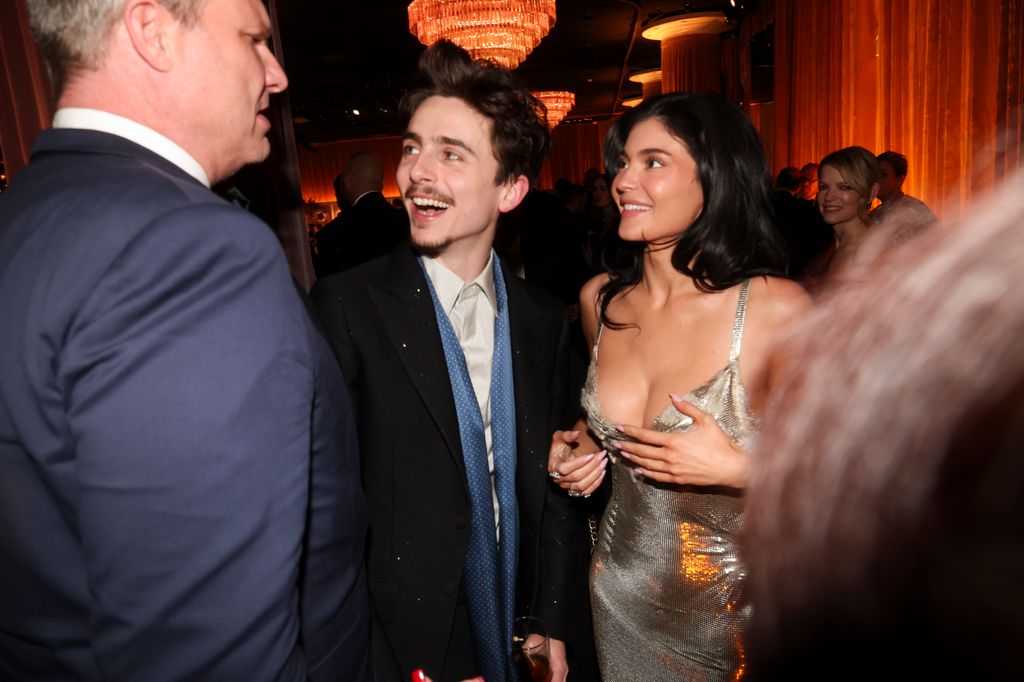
[574, 149]
[692, 63]
[25, 106]
[319, 165]
[938, 80]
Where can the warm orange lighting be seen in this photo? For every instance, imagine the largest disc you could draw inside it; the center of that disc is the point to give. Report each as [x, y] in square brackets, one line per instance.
[645, 77]
[558, 103]
[501, 31]
[695, 564]
[632, 102]
[692, 22]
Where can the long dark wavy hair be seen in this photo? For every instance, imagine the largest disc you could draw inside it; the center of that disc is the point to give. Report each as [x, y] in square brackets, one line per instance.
[734, 238]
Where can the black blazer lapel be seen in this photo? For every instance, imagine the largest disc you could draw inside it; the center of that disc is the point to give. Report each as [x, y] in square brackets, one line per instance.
[407, 313]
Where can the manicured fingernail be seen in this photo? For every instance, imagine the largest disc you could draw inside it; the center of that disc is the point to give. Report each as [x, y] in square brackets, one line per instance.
[588, 457]
[418, 675]
[617, 444]
[604, 463]
[574, 433]
[625, 454]
[677, 398]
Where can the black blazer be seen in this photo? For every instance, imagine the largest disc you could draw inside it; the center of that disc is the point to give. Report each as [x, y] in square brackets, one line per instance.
[368, 229]
[381, 319]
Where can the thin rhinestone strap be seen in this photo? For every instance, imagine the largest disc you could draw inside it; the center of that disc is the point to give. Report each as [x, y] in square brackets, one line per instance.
[737, 327]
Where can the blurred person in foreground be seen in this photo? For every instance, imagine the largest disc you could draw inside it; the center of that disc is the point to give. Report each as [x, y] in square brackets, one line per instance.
[179, 486]
[458, 372]
[669, 396]
[885, 528]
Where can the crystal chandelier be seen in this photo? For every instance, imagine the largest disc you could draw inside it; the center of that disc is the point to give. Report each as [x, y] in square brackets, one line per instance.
[503, 31]
[558, 103]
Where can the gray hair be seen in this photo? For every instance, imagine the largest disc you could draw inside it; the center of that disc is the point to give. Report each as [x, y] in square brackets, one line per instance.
[73, 34]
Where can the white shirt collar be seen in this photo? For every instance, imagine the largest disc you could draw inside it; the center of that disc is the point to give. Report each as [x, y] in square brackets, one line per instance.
[447, 284]
[106, 122]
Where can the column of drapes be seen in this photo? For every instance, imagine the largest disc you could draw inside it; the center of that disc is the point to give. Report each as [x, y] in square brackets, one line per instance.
[1010, 92]
[574, 148]
[25, 103]
[691, 63]
[823, 86]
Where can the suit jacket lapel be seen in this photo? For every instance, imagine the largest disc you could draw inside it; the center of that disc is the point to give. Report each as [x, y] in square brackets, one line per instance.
[407, 312]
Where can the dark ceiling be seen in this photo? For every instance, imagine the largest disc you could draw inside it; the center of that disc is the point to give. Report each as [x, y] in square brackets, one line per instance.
[344, 56]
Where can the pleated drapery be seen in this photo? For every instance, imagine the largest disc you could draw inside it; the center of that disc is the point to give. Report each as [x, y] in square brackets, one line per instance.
[937, 80]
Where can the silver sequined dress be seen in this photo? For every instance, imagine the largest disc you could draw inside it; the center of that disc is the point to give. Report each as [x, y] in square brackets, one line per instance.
[666, 580]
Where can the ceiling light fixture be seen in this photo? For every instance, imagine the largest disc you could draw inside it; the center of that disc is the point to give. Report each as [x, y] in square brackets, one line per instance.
[503, 31]
[558, 103]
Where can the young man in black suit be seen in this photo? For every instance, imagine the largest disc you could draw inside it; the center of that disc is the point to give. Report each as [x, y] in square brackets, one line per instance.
[457, 370]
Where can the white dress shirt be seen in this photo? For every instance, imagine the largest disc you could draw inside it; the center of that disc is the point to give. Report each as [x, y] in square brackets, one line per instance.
[473, 321]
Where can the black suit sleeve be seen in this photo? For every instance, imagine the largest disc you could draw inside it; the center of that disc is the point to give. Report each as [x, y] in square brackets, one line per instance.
[325, 295]
[559, 527]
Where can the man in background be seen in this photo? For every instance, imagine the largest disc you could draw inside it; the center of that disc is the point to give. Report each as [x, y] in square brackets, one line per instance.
[806, 234]
[809, 189]
[179, 487]
[368, 226]
[900, 215]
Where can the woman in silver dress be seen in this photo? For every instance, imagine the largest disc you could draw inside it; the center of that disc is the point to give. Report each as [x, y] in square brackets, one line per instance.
[669, 396]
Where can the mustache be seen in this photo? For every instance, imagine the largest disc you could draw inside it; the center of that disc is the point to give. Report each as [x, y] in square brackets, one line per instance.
[427, 190]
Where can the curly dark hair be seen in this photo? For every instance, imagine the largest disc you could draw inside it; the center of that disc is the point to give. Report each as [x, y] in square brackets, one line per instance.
[734, 238]
[519, 133]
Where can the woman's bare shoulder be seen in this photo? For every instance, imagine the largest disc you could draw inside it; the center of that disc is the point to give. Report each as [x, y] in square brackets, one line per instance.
[590, 305]
[776, 301]
[591, 290]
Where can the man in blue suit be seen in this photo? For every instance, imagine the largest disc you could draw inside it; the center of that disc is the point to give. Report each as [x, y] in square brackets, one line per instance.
[179, 487]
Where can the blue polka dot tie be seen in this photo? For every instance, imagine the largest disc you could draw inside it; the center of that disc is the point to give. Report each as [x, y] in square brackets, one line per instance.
[490, 566]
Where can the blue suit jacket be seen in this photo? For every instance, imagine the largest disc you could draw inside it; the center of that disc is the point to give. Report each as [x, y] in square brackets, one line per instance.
[179, 487]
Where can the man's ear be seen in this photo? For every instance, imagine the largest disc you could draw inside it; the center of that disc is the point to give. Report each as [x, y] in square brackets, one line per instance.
[153, 31]
[874, 191]
[513, 192]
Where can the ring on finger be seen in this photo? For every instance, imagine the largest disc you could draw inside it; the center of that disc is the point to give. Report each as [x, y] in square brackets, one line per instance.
[575, 493]
[554, 475]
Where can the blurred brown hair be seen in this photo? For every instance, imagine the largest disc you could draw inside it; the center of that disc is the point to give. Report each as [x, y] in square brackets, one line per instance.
[885, 521]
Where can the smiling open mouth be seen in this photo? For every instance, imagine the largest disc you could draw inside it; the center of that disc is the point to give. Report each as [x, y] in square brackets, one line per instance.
[430, 206]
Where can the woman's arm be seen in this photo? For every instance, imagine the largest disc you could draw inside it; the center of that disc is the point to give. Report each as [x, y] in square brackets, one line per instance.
[575, 461]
